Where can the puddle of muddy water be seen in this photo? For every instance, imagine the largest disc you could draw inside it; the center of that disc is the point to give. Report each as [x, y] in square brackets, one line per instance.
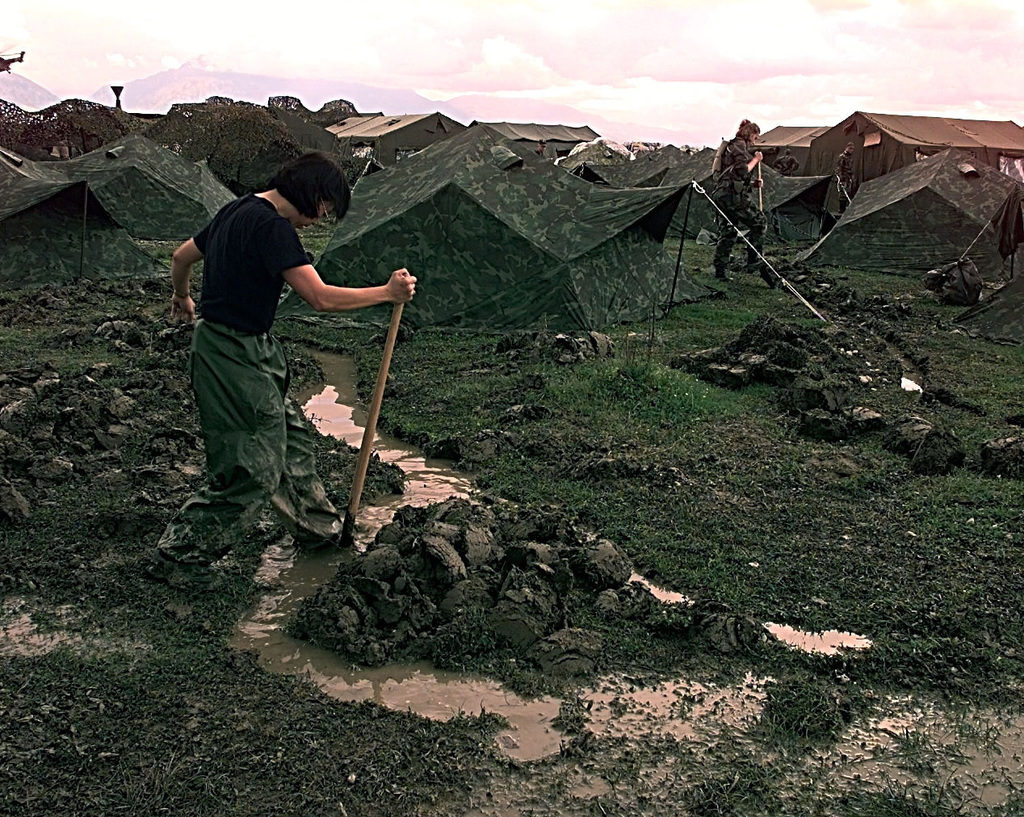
[681, 709]
[21, 636]
[830, 642]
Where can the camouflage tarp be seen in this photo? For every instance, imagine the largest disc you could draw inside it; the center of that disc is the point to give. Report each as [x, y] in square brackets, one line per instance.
[1001, 315]
[243, 144]
[1009, 222]
[76, 124]
[12, 122]
[600, 151]
[328, 114]
[54, 231]
[501, 239]
[920, 217]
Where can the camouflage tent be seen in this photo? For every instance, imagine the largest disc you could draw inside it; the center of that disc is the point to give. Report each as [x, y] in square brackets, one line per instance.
[648, 169]
[15, 165]
[150, 191]
[501, 239]
[310, 127]
[920, 217]
[243, 144]
[558, 139]
[1001, 316]
[58, 231]
[796, 205]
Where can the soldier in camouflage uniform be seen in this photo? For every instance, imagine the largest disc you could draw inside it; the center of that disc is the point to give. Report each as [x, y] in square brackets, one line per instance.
[735, 183]
[787, 164]
[259, 447]
[844, 175]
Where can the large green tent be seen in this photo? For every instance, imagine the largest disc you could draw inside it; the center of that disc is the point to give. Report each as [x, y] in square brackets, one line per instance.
[921, 217]
[500, 239]
[149, 190]
[57, 231]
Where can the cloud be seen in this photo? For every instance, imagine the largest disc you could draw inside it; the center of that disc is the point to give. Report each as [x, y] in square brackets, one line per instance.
[120, 60]
[682, 63]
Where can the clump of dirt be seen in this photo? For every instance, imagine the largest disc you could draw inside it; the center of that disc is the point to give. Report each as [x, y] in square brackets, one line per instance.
[768, 351]
[561, 348]
[457, 579]
[931, 450]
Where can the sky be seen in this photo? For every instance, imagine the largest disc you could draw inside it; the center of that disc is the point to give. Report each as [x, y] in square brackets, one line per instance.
[696, 67]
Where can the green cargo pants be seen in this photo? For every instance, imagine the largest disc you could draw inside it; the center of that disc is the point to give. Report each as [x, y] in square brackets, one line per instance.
[741, 209]
[259, 447]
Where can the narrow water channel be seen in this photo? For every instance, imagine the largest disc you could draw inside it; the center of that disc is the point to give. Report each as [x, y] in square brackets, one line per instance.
[289, 579]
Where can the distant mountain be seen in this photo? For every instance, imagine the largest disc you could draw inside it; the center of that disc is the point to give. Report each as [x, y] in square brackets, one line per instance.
[190, 83]
[486, 108]
[193, 83]
[24, 93]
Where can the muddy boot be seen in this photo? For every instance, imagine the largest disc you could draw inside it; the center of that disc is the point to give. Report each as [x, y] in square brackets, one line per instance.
[721, 275]
[768, 278]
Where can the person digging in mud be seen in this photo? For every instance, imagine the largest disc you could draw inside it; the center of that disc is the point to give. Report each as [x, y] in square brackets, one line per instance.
[735, 183]
[258, 445]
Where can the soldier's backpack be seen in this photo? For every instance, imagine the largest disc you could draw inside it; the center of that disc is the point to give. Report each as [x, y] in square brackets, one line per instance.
[716, 165]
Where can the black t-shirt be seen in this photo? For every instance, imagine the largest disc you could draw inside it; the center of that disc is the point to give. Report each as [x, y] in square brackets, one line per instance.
[245, 249]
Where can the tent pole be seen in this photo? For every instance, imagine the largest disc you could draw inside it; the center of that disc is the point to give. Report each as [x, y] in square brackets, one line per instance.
[679, 255]
[85, 212]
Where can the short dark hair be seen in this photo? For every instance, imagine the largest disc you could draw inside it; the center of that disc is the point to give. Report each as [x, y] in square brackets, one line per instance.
[310, 179]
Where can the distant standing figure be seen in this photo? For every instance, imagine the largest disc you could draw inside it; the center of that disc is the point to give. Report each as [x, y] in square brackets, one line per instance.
[844, 175]
[787, 164]
[542, 148]
[735, 183]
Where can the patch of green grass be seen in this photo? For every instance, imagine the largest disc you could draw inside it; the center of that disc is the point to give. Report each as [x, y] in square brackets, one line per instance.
[905, 800]
[804, 711]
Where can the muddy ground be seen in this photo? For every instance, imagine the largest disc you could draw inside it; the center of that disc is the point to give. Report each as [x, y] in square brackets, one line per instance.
[859, 475]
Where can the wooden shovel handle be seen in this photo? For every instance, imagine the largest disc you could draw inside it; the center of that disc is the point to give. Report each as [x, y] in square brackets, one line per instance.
[366, 448]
